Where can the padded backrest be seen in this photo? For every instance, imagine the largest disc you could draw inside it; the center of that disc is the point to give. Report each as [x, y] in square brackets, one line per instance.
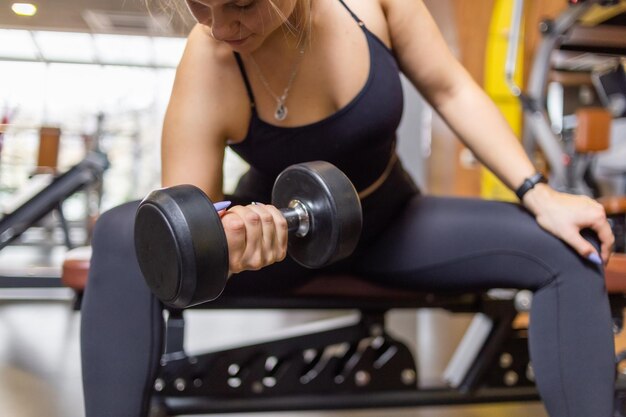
[593, 129]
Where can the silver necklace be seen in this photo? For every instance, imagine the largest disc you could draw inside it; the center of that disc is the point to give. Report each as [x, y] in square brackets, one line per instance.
[281, 109]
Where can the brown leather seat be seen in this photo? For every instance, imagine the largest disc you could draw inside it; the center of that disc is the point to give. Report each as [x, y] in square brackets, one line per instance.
[76, 268]
[616, 273]
[613, 205]
[76, 271]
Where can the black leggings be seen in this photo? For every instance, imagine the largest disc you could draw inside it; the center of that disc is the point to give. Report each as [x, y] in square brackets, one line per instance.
[435, 243]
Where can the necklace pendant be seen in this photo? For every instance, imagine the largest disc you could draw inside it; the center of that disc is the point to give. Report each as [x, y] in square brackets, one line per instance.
[281, 112]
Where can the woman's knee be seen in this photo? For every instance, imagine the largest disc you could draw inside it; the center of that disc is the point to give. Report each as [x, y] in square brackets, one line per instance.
[113, 244]
[114, 227]
[573, 271]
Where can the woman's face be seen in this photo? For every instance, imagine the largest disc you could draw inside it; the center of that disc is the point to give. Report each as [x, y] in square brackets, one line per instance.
[242, 24]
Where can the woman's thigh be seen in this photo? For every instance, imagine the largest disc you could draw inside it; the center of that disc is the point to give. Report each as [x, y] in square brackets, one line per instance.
[458, 244]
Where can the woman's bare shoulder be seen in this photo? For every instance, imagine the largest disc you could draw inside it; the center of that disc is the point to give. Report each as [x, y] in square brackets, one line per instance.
[206, 57]
[208, 77]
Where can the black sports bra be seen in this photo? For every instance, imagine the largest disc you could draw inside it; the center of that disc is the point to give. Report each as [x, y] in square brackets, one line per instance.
[359, 138]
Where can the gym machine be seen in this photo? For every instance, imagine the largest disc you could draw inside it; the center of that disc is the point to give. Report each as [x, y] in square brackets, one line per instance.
[85, 175]
[581, 135]
[353, 362]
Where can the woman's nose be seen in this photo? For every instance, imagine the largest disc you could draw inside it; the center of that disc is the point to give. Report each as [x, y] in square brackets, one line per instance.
[224, 27]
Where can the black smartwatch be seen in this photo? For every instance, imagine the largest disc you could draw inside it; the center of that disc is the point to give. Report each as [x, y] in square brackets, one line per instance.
[529, 183]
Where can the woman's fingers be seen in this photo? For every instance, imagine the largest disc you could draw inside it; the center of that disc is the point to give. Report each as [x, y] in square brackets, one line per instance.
[605, 234]
[250, 258]
[581, 245]
[565, 215]
[269, 239]
[595, 219]
[256, 235]
[280, 243]
[235, 230]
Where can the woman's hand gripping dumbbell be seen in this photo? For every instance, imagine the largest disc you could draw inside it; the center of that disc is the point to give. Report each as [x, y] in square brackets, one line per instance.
[182, 247]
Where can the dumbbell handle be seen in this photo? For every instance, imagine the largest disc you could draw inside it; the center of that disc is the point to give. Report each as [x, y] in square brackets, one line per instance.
[298, 219]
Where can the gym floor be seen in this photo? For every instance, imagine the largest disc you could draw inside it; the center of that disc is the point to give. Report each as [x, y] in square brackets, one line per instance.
[40, 363]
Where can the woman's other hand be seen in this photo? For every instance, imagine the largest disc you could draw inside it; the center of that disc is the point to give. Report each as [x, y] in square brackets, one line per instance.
[256, 235]
[565, 215]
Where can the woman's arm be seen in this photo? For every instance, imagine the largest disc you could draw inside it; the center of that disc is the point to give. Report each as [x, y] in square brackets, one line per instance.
[202, 114]
[426, 60]
[195, 128]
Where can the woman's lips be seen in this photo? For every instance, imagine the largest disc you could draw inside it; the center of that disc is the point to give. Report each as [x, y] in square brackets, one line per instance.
[237, 42]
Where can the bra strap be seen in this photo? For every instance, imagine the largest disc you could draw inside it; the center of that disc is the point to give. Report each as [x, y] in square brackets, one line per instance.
[354, 16]
[244, 75]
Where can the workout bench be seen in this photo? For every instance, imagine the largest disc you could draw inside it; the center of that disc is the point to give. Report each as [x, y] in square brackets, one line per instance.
[352, 362]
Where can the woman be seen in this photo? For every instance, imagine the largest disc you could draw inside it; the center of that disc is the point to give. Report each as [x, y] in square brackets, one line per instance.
[286, 81]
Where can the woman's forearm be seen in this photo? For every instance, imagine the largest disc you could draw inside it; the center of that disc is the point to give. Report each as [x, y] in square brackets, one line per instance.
[473, 116]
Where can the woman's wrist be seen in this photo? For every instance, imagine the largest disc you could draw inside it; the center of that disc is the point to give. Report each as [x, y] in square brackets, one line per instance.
[537, 196]
[528, 184]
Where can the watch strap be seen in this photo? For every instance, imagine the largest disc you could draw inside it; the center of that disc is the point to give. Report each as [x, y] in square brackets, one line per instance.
[529, 183]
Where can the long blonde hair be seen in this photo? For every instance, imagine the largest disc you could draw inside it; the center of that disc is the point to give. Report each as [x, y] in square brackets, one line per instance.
[300, 25]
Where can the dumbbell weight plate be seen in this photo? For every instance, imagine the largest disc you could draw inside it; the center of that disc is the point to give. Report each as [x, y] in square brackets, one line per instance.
[334, 207]
[181, 221]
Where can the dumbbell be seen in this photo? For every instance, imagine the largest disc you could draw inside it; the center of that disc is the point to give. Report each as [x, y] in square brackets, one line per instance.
[181, 245]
